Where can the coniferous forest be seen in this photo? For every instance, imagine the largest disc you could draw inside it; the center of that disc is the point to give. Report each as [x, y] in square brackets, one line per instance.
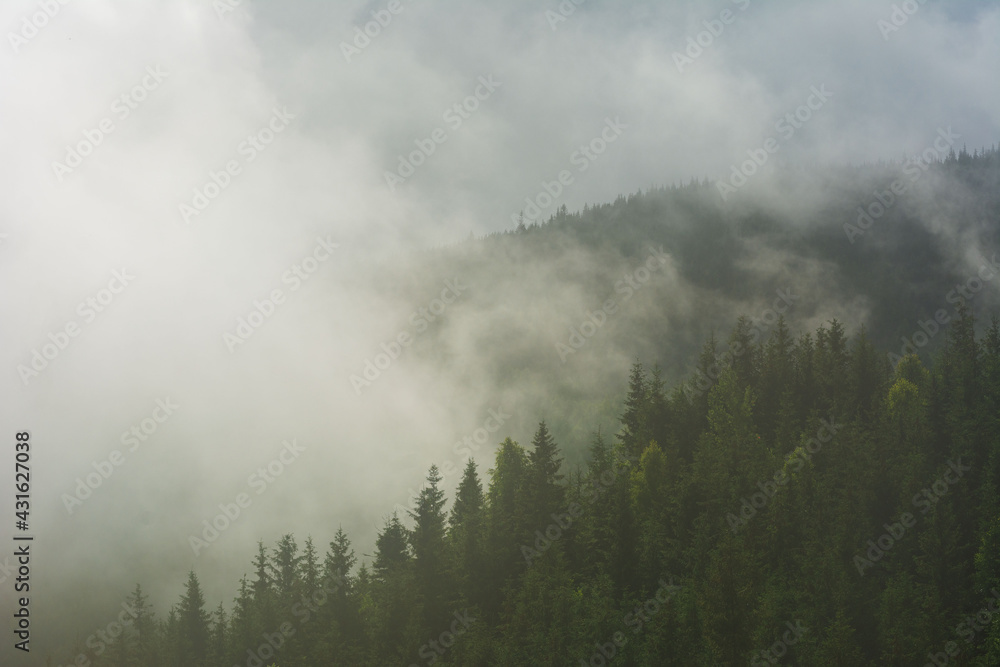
[797, 501]
[386, 333]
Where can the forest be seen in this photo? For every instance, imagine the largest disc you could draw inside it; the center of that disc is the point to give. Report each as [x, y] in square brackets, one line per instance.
[386, 333]
[797, 500]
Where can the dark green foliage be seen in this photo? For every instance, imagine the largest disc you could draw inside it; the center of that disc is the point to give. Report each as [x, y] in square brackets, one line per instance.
[430, 562]
[808, 484]
[192, 625]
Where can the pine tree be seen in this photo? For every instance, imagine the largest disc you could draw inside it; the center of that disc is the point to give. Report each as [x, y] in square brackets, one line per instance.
[265, 613]
[218, 639]
[121, 651]
[743, 354]
[309, 573]
[170, 647]
[660, 420]
[635, 432]
[546, 494]
[961, 362]
[305, 606]
[596, 526]
[283, 571]
[143, 628]
[650, 495]
[393, 594]
[466, 537]
[776, 375]
[507, 525]
[339, 562]
[835, 369]
[192, 625]
[340, 633]
[243, 625]
[427, 541]
[869, 373]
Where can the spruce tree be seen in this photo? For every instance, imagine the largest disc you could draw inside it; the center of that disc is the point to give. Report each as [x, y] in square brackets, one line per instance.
[192, 625]
[393, 595]
[283, 570]
[143, 627]
[427, 541]
[218, 639]
[466, 536]
[546, 494]
[635, 432]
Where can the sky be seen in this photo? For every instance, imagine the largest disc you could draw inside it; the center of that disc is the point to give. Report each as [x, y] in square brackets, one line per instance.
[174, 167]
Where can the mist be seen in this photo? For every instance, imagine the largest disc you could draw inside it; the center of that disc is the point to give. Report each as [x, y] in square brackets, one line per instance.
[271, 163]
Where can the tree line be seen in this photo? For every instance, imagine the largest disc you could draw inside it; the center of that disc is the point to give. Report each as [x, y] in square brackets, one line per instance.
[798, 502]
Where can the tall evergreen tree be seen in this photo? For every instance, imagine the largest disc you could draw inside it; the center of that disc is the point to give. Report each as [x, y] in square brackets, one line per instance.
[263, 589]
[507, 525]
[218, 638]
[545, 492]
[340, 630]
[392, 628]
[466, 537]
[744, 353]
[427, 541]
[283, 571]
[635, 431]
[192, 625]
[143, 628]
[244, 627]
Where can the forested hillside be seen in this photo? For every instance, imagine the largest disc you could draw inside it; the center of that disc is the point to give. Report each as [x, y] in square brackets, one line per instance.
[797, 233]
[387, 333]
[797, 501]
[379, 333]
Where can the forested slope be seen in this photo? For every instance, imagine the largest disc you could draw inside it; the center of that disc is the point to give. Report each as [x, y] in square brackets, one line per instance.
[798, 500]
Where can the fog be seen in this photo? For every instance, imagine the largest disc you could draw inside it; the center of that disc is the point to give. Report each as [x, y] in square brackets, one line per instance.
[308, 209]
